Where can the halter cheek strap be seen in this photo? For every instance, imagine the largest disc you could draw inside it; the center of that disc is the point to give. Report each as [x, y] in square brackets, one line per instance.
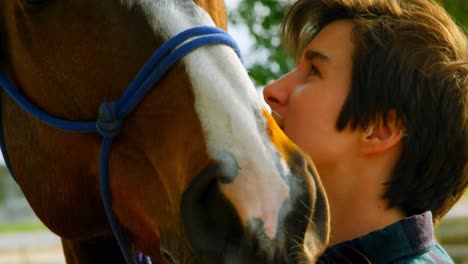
[112, 114]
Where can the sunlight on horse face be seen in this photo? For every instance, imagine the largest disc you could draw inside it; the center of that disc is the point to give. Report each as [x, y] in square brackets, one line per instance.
[199, 171]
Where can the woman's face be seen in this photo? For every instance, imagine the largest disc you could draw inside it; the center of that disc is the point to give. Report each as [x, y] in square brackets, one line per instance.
[307, 101]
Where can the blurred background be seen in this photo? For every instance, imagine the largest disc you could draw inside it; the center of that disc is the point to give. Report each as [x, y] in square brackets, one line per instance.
[255, 25]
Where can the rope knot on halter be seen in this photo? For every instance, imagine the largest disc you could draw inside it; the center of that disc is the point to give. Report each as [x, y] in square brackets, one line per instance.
[108, 123]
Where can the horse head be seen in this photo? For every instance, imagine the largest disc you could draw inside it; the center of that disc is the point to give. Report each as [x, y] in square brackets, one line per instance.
[199, 172]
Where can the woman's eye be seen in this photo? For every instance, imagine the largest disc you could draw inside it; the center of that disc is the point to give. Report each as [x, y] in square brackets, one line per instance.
[314, 71]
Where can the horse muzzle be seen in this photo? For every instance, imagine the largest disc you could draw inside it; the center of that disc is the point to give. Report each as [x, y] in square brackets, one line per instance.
[219, 233]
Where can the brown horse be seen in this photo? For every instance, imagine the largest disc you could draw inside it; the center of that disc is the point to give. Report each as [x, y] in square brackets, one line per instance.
[199, 171]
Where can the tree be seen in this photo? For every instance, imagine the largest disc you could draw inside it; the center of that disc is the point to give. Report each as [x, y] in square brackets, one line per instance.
[263, 19]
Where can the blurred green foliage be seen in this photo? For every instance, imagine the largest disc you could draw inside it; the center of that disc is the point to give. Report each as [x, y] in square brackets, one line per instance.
[458, 9]
[263, 19]
[22, 226]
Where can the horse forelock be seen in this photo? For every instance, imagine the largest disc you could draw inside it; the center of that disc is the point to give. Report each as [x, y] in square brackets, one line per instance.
[230, 112]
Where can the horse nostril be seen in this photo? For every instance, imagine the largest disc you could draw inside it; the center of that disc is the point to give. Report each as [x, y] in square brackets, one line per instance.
[210, 220]
[167, 257]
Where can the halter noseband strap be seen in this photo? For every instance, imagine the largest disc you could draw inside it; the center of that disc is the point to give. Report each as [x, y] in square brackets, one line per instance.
[112, 114]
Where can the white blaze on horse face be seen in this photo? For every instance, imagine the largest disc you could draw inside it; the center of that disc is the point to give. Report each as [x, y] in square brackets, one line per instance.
[230, 112]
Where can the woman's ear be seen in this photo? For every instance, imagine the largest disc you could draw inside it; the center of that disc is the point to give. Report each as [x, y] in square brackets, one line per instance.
[382, 135]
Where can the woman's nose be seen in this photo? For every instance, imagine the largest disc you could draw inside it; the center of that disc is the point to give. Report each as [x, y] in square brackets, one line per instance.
[276, 93]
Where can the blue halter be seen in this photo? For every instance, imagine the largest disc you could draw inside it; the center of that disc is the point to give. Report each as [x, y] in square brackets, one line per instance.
[112, 114]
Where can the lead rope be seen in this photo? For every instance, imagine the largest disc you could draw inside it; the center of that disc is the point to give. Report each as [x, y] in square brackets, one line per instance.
[112, 114]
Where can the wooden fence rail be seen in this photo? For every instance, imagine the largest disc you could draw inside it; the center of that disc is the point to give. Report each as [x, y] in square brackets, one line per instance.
[452, 233]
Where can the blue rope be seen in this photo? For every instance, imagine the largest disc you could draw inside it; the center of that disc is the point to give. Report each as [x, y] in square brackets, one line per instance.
[112, 114]
[106, 194]
[41, 115]
[142, 259]
[108, 124]
[126, 105]
[165, 49]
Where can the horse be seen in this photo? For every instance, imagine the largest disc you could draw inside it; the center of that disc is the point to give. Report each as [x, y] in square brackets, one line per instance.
[199, 171]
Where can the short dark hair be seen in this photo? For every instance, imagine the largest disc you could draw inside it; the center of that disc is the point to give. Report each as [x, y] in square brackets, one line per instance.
[410, 57]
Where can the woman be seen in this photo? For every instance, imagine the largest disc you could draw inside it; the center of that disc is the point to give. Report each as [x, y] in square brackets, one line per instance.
[379, 102]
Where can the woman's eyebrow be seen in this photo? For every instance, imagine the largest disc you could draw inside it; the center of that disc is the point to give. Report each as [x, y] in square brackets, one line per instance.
[316, 55]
